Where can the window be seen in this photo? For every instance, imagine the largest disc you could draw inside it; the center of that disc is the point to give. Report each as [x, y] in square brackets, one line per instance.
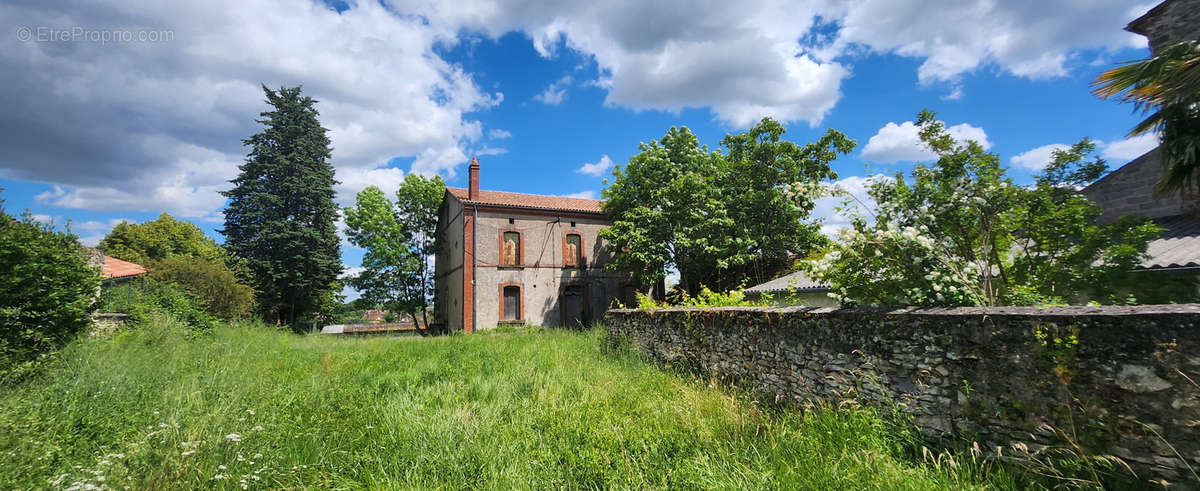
[510, 249]
[573, 251]
[510, 305]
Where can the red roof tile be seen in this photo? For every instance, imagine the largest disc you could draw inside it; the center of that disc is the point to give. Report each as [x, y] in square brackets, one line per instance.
[534, 201]
[116, 268]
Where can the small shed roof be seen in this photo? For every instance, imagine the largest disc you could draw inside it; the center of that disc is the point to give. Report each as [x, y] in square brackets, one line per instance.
[114, 268]
[795, 281]
[1177, 247]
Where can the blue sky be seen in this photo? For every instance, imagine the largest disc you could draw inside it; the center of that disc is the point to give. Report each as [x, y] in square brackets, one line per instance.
[101, 131]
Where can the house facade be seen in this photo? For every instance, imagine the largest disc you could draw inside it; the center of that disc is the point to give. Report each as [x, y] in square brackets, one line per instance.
[512, 258]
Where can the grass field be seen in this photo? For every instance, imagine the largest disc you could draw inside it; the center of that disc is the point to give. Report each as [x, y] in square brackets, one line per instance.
[254, 407]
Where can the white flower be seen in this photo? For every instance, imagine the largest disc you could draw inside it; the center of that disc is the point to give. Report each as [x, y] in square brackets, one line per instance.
[258, 456]
[257, 428]
[188, 452]
[221, 467]
[233, 437]
[218, 477]
[250, 411]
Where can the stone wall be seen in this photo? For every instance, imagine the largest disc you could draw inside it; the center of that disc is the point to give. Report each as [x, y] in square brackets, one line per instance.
[1116, 380]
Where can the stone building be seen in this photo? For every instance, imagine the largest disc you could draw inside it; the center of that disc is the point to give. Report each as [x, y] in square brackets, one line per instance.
[1174, 262]
[511, 258]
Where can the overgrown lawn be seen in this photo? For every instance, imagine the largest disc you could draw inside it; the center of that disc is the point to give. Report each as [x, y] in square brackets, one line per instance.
[156, 408]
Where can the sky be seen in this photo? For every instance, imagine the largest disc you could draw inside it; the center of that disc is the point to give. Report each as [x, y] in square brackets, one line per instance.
[123, 110]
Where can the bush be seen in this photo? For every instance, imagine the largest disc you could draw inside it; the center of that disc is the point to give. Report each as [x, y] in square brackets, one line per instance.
[46, 292]
[210, 282]
[147, 300]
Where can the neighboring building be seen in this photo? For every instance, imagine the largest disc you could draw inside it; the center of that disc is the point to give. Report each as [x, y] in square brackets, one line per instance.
[113, 270]
[510, 258]
[793, 289]
[1174, 261]
[374, 315]
[1169, 22]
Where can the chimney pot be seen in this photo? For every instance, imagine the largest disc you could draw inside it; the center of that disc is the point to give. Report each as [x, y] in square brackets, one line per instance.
[473, 171]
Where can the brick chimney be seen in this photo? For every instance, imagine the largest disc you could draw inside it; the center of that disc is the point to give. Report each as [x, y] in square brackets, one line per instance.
[473, 171]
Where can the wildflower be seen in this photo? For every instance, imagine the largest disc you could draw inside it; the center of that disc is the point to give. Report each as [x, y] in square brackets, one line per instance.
[221, 467]
[250, 411]
[188, 452]
[258, 456]
[257, 428]
[218, 477]
[233, 437]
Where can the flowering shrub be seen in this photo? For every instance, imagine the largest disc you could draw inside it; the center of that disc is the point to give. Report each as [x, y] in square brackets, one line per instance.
[962, 233]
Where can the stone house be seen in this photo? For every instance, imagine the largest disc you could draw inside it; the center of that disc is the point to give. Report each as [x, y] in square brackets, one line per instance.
[1173, 267]
[511, 258]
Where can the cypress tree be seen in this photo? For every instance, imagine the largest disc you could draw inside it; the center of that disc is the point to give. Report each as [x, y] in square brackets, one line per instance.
[281, 212]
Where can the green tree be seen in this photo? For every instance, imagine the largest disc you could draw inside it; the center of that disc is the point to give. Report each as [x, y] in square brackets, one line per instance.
[178, 252]
[1166, 87]
[280, 217]
[46, 292]
[165, 237]
[400, 240]
[720, 220]
[211, 282]
[962, 233]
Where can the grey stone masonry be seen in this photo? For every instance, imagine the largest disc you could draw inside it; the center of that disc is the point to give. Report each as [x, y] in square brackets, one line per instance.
[1130, 191]
[1119, 381]
[1172, 21]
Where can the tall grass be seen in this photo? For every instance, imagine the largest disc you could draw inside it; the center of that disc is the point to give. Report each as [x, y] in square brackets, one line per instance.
[249, 406]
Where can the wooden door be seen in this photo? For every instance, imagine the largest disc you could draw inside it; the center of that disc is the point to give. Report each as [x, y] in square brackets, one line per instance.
[573, 306]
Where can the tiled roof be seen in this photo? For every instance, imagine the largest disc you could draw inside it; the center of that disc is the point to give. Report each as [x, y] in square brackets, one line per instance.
[531, 201]
[795, 281]
[1177, 247]
[116, 268]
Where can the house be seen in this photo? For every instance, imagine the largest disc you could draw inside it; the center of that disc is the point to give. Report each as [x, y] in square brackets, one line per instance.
[113, 270]
[1173, 266]
[795, 288]
[374, 315]
[512, 258]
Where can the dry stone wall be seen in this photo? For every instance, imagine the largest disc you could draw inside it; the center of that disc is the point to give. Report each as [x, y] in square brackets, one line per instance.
[1117, 381]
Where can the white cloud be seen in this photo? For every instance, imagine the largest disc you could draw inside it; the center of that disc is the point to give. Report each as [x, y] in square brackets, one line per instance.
[581, 194]
[93, 225]
[352, 272]
[673, 54]
[499, 134]
[491, 151]
[387, 179]
[556, 93]
[158, 126]
[1036, 159]
[902, 142]
[598, 168]
[1034, 40]
[1119, 152]
[743, 61]
[827, 210]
